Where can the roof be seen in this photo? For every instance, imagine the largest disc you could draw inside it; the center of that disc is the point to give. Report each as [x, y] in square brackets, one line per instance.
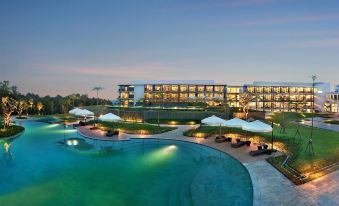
[284, 84]
[193, 82]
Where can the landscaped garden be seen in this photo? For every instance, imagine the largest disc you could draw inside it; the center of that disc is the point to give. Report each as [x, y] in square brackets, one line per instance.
[10, 131]
[325, 142]
[174, 121]
[134, 128]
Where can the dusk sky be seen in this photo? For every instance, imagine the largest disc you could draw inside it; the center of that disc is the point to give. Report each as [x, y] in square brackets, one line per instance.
[63, 47]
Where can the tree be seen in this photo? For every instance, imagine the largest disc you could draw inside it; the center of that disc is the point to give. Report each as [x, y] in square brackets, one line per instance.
[244, 100]
[98, 88]
[30, 103]
[9, 105]
[283, 99]
[39, 106]
[21, 107]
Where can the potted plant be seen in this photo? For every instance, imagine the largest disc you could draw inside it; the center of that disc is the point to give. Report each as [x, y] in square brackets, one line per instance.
[248, 142]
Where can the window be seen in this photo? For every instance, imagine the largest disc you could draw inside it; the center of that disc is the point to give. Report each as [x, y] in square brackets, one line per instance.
[218, 88]
[267, 90]
[175, 88]
[166, 88]
[192, 88]
[209, 88]
[201, 88]
[250, 89]
[148, 87]
[157, 88]
[233, 90]
[183, 88]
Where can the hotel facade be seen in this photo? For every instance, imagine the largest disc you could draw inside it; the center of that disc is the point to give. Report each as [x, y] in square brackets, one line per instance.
[267, 96]
[332, 101]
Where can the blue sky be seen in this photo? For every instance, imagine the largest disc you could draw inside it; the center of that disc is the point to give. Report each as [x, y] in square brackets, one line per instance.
[60, 47]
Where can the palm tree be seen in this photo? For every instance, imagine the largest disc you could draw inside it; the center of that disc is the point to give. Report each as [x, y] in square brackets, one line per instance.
[97, 88]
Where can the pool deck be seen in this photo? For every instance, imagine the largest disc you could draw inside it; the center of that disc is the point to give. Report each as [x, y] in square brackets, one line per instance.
[270, 187]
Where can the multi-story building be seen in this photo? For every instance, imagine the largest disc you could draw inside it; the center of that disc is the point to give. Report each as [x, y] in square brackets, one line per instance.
[287, 96]
[166, 92]
[267, 96]
[332, 101]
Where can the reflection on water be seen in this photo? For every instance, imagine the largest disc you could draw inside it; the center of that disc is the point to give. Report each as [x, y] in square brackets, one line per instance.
[7, 155]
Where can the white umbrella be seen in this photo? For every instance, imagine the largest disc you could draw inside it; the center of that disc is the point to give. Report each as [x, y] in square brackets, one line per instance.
[213, 121]
[74, 111]
[235, 122]
[85, 113]
[110, 118]
[257, 126]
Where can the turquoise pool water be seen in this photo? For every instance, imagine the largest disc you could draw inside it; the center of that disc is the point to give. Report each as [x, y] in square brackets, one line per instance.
[136, 172]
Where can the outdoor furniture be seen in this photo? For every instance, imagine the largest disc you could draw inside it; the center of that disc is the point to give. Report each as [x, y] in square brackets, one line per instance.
[81, 123]
[238, 144]
[219, 139]
[111, 134]
[258, 152]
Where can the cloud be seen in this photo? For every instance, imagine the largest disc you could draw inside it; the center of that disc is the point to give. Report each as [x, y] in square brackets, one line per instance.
[290, 20]
[319, 43]
[224, 4]
[292, 33]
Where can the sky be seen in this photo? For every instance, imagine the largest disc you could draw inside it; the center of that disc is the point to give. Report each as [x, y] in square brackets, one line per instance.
[69, 46]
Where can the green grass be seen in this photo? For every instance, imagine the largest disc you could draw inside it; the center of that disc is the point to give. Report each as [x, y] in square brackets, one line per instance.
[174, 121]
[134, 128]
[325, 142]
[10, 131]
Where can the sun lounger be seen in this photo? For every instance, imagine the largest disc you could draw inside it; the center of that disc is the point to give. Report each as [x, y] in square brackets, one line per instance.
[219, 139]
[238, 144]
[111, 134]
[258, 152]
[262, 151]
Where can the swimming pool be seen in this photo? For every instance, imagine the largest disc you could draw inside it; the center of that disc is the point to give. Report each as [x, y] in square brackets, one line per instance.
[136, 172]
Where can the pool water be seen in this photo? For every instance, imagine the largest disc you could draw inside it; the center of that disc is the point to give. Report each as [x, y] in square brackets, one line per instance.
[136, 172]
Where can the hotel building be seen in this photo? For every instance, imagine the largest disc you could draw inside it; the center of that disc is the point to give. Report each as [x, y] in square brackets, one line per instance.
[267, 96]
[167, 92]
[332, 101]
[287, 96]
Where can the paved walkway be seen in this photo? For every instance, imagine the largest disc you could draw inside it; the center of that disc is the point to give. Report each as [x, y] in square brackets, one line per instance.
[318, 122]
[269, 185]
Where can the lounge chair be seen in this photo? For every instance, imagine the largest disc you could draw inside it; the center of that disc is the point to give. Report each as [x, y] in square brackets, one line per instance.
[81, 123]
[238, 144]
[258, 152]
[220, 139]
[111, 134]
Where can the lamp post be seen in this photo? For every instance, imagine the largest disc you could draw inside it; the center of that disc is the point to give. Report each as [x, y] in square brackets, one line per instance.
[309, 147]
[272, 133]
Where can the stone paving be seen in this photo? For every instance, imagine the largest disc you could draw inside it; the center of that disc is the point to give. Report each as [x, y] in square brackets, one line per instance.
[270, 187]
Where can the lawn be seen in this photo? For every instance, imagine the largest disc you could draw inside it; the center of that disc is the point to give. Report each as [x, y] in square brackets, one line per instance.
[134, 128]
[174, 121]
[325, 142]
